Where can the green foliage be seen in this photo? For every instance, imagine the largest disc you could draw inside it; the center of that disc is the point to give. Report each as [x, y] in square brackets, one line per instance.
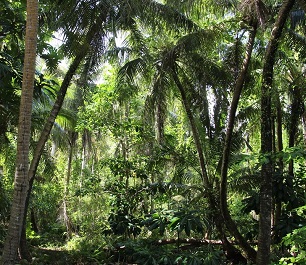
[87, 249]
[51, 237]
[180, 220]
[186, 220]
[124, 224]
[295, 241]
[288, 191]
[4, 210]
[45, 201]
[151, 253]
[135, 172]
[158, 220]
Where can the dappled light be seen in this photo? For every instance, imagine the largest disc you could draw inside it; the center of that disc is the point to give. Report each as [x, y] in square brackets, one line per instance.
[145, 132]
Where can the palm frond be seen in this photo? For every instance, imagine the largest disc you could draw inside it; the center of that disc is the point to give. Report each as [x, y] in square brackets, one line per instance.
[136, 41]
[91, 17]
[249, 112]
[45, 89]
[244, 182]
[61, 137]
[207, 71]
[159, 95]
[245, 174]
[296, 41]
[131, 69]
[203, 39]
[254, 12]
[174, 20]
[67, 119]
[51, 56]
[203, 7]
[115, 54]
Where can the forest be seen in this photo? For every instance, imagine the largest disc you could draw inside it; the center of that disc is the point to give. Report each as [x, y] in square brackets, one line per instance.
[152, 132]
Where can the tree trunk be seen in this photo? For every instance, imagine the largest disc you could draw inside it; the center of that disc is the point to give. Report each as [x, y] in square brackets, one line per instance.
[264, 237]
[45, 135]
[21, 183]
[58, 104]
[219, 221]
[73, 137]
[195, 132]
[34, 226]
[304, 126]
[295, 114]
[24, 251]
[160, 122]
[279, 133]
[231, 225]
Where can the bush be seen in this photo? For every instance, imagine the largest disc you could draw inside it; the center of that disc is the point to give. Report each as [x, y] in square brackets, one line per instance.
[296, 243]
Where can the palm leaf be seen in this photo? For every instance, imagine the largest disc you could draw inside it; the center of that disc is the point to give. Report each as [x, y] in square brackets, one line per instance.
[296, 41]
[131, 69]
[172, 18]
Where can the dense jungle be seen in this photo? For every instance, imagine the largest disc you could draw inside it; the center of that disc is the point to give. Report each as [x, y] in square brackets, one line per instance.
[152, 132]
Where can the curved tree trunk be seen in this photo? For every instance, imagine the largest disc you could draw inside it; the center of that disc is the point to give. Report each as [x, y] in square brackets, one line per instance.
[232, 252]
[264, 237]
[231, 225]
[44, 136]
[195, 132]
[21, 183]
[43, 139]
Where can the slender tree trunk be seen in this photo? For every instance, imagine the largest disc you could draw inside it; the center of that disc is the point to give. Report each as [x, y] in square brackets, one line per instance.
[24, 251]
[67, 221]
[304, 125]
[1, 172]
[33, 221]
[195, 132]
[58, 104]
[232, 252]
[23, 247]
[279, 133]
[160, 110]
[264, 237]
[204, 109]
[231, 225]
[295, 114]
[45, 135]
[21, 183]
[160, 122]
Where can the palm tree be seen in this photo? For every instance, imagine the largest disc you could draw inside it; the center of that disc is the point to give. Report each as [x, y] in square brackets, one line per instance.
[178, 63]
[44, 136]
[255, 14]
[85, 40]
[21, 184]
[226, 151]
[231, 251]
[264, 237]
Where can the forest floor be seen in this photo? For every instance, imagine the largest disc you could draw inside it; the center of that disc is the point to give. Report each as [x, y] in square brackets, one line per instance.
[58, 256]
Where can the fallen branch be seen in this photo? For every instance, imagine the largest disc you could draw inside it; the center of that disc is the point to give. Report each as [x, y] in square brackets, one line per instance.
[192, 241]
